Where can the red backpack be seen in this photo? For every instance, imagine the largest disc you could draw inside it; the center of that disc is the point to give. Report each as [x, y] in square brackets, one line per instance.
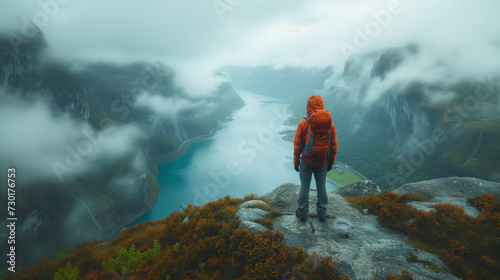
[317, 147]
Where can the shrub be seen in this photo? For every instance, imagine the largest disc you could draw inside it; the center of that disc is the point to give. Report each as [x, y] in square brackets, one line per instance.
[131, 261]
[469, 246]
[209, 245]
[67, 273]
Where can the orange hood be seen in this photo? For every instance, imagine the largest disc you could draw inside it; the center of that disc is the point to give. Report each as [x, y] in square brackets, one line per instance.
[315, 102]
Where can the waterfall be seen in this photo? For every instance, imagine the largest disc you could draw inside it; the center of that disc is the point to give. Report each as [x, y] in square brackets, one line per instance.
[88, 209]
[91, 215]
[475, 150]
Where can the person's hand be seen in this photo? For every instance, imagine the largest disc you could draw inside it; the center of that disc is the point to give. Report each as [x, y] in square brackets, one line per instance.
[328, 168]
[297, 168]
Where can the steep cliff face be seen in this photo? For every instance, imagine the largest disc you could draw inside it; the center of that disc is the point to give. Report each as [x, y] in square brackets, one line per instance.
[394, 113]
[421, 125]
[22, 72]
[146, 94]
[395, 120]
[18, 63]
[56, 214]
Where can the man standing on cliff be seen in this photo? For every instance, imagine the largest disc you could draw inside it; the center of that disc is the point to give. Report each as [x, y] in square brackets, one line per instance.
[315, 148]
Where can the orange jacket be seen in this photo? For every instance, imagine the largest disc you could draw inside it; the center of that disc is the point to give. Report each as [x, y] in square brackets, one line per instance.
[315, 102]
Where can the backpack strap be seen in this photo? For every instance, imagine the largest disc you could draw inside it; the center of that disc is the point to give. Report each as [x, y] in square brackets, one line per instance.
[310, 138]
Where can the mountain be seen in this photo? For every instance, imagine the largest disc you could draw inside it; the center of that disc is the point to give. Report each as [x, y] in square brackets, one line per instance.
[120, 121]
[431, 128]
[396, 125]
[23, 73]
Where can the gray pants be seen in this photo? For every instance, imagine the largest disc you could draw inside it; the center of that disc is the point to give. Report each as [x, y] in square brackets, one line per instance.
[306, 172]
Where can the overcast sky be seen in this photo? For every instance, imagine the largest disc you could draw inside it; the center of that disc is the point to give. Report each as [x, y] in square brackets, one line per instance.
[209, 34]
[458, 39]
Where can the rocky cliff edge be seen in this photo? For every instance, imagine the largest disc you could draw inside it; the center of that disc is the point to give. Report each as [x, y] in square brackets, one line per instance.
[365, 249]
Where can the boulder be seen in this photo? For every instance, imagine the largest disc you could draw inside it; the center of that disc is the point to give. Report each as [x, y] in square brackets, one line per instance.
[452, 190]
[252, 203]
[249, 216]
[285, 197]
[361, 188]
[252, 226]
[452, 186]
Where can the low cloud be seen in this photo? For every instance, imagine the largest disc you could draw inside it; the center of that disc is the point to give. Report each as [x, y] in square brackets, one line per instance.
[198, 79]
[431, 66]
[167, 106]
[45, 146]
[196, 38]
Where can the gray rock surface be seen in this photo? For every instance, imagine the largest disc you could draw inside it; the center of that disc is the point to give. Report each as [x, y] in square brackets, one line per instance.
[249, 216]
[252, 226]
[457, 201]
[452, 190]
[452, 186]
[365, 249]
[252, 203]
[361, 188]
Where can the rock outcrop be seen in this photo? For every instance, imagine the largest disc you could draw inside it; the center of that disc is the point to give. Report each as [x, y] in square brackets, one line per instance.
[452, 186]
[452, 190]
[361, 188]
[249, 213]
[365, 249]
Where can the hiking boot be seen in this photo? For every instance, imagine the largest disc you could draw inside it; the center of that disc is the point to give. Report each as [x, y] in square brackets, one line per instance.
[321, 218]
[298, 216]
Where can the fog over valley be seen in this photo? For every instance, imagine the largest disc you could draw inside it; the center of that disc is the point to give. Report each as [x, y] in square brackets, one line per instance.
[115, 112]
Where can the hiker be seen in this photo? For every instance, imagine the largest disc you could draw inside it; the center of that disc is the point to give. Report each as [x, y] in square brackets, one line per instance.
[314, 157]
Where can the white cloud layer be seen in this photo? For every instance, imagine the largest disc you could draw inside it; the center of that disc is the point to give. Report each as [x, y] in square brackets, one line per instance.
[166, 106]
[45, 146]
[197, 37]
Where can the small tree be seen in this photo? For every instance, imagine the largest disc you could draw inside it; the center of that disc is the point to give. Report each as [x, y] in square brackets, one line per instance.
[131, 261]
[67, 273]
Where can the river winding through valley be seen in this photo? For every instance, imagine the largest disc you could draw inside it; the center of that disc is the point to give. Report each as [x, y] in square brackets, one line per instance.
[247, 155]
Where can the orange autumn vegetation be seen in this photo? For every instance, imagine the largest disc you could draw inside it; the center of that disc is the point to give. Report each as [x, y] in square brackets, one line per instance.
[405, 275]
[469, 246]
[209, 245]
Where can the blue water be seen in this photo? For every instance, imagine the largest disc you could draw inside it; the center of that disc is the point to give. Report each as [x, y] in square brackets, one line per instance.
[247, 155]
